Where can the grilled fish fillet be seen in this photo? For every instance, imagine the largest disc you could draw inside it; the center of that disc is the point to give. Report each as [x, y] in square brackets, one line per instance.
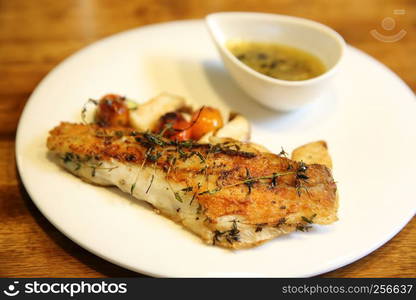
[230, 194]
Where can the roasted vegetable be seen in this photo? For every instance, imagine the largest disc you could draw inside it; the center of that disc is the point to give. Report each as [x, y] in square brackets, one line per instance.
[313, 153]
[112, 111]
[148, 114]
[204, 120]
[174, 126]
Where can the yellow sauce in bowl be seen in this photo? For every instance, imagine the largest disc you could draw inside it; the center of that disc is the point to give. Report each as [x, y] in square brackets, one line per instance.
[276, 60]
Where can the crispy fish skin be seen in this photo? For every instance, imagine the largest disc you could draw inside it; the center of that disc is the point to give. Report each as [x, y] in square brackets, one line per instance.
[229, 194]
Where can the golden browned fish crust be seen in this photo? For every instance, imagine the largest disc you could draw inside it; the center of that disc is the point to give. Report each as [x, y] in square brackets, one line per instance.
[241, 196]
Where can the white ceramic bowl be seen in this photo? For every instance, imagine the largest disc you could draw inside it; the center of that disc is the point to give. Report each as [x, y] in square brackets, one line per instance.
[307, 35]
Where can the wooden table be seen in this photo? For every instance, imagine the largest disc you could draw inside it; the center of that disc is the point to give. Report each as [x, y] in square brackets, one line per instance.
[36, 35]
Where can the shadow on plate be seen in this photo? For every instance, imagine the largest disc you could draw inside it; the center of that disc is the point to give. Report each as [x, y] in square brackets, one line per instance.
[235, 97]
[217, 80]
[205, 82]
[227, 90]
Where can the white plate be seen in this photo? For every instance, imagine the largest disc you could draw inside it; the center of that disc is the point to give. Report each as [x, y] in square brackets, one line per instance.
[367, 118]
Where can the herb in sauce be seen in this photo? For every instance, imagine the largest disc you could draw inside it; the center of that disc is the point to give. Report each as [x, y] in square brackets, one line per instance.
[277, 61]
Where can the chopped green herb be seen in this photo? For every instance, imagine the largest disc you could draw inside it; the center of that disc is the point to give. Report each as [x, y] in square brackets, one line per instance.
[151, 182]
[274, 180]
[201, 157]
[259, 227]
[301, 178]
[283, 153]
[68, 157]
[280, 222]
[302, 228]
[182, 154]
[192, 200]
[153, 157]
[310, 220]
[186, 144]
[216, 236]
[249, 183]
[133, 186]
[154, 139]
[187, 189]
[210, 192]
[178, 197]
[199, 209]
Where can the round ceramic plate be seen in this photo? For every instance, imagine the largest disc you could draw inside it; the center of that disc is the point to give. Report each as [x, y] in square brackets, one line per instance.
[367, 118]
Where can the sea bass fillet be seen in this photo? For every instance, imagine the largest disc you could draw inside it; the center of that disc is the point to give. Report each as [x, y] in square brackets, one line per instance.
[230, 194]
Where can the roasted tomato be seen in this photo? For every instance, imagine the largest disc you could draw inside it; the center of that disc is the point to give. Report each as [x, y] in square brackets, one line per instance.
[204, 120]
[112, 111]
[175, 127]
[183, 131]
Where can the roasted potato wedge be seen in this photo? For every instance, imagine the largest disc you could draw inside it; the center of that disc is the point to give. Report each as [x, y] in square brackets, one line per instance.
[146, 116]
[237, 128]
[313, 153]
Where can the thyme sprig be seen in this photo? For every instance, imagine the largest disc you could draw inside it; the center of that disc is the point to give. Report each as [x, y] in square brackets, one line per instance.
[249, 181]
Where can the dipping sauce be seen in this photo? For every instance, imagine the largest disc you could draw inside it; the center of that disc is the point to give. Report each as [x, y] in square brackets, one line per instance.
[276, 60]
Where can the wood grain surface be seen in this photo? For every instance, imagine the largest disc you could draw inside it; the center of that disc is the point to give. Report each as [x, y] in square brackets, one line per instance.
[36, 35]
